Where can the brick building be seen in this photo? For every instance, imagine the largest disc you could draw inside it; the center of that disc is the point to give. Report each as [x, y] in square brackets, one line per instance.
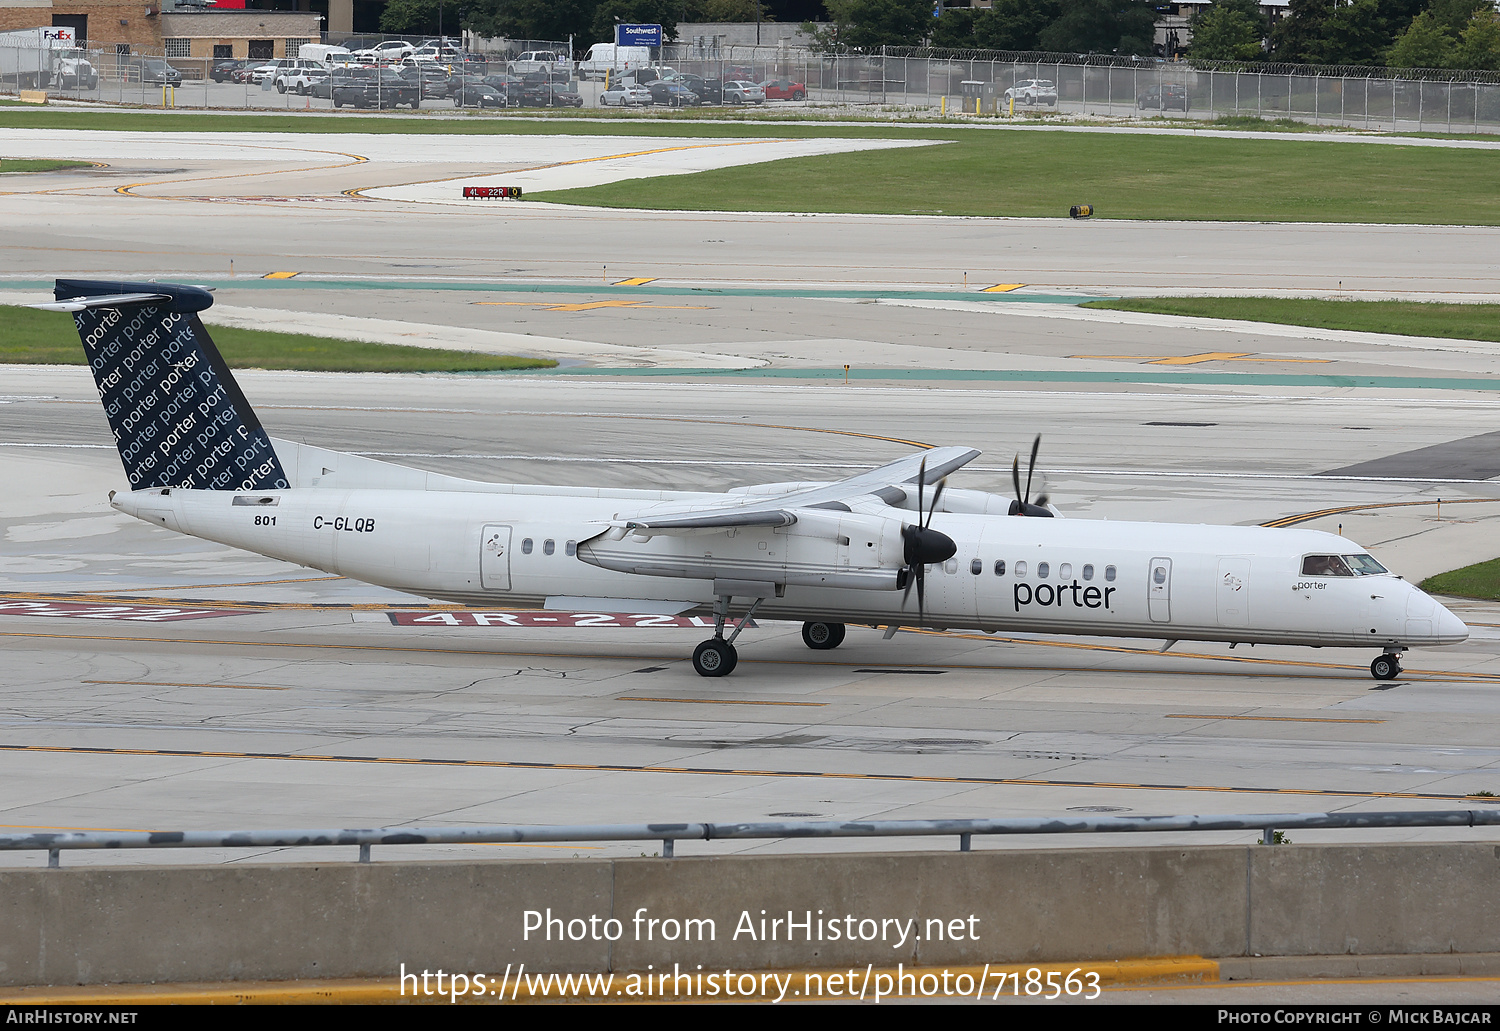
[143, 27]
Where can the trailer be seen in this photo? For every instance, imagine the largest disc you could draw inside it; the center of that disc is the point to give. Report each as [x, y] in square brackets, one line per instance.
[29, 57]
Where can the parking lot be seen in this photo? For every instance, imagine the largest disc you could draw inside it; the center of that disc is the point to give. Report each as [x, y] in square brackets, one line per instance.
[208, 94]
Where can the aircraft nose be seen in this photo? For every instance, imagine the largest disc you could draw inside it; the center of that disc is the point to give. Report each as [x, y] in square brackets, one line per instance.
[1450, 629]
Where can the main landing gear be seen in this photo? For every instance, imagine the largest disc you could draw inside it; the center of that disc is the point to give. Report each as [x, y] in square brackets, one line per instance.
[822, 636]
[1386, 667]
[716, 657]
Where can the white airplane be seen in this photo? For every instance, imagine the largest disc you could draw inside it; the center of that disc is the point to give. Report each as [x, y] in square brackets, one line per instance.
[827, 554]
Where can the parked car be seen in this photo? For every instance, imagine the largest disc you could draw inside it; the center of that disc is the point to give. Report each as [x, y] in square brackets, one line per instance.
[552, 63]
[709, 91]
[625, 94]
[431, 79]
[738, 91]
[152, 70]
[298, 76]
[784, 89]
[392, 50]
[671, 94]
[552, 94]
[477, 94]
[223, 69]
[1032, 92]
[435, 55]
[1164, 97]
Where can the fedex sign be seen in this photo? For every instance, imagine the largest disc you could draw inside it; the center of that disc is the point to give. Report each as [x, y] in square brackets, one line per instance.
[58, 35]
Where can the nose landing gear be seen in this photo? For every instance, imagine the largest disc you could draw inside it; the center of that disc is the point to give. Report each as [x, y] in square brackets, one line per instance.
[1386, 667]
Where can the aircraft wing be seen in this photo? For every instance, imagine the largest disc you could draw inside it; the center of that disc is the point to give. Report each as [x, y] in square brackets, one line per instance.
[774, 510]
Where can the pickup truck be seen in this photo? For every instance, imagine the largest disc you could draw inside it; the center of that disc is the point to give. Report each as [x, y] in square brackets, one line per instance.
[378, 91]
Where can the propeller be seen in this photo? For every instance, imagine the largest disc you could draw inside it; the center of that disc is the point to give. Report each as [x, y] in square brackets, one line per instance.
[923, 545]
[1023, 505]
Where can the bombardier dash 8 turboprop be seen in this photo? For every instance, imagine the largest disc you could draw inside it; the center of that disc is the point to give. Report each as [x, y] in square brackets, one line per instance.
[827, 554]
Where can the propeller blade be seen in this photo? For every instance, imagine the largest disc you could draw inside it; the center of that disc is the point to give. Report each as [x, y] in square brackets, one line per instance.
[935, 495]
[921, 483]
[921, 595]
[1015, 475]
[1036, 445]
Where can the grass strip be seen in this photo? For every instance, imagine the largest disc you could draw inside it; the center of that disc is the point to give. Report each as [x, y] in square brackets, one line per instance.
[1408, 318]
[1122, 175]
[1481, 581]
[31, 337]
[39, 165]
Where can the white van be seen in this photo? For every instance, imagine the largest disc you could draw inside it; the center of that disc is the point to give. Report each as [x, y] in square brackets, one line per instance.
[606, 58]
[321, 52]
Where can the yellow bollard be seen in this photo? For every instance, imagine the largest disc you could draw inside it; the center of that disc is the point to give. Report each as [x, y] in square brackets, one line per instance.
[944, 109]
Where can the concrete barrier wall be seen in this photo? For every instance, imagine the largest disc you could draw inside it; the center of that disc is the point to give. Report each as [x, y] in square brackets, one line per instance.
[215, 923]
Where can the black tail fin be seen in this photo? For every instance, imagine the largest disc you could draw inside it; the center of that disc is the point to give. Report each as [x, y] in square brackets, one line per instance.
[178, 416]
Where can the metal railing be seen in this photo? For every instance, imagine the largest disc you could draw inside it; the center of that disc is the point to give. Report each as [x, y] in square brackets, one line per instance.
[1272, 826]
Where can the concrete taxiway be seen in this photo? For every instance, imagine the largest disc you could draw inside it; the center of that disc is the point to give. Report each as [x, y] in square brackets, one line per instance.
[706, 351]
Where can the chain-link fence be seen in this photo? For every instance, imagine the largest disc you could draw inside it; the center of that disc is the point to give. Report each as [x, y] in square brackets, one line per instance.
[915, 81]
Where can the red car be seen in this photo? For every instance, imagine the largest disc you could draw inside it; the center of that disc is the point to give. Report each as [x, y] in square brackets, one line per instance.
[784, 89]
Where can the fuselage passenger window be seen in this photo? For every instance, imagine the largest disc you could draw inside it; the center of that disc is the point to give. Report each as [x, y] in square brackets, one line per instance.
[999, 567]
[1088, 571]
[526, 546]
[548, 546]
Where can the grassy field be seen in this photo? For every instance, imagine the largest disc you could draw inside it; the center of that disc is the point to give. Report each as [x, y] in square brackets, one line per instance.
[39, 165]
[972, 170]
[1410, 318]
[31, 337]
[1481, 580]
[1122, 175]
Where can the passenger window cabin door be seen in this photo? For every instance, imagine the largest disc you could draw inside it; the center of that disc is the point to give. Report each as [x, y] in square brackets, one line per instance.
[1159, 590]
[494, 558]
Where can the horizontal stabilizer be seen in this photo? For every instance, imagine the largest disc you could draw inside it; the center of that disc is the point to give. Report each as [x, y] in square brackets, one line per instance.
[73, 304]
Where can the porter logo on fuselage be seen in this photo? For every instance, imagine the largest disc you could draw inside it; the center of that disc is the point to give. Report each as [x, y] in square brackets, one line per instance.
[1074, 593]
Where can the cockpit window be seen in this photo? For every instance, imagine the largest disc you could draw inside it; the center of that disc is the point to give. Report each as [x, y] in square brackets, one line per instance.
[1364, 565]
[1325, 565]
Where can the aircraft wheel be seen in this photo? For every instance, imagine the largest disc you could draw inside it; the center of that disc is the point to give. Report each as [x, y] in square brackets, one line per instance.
[822, 636]
[1386, 667]
[715, 658]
